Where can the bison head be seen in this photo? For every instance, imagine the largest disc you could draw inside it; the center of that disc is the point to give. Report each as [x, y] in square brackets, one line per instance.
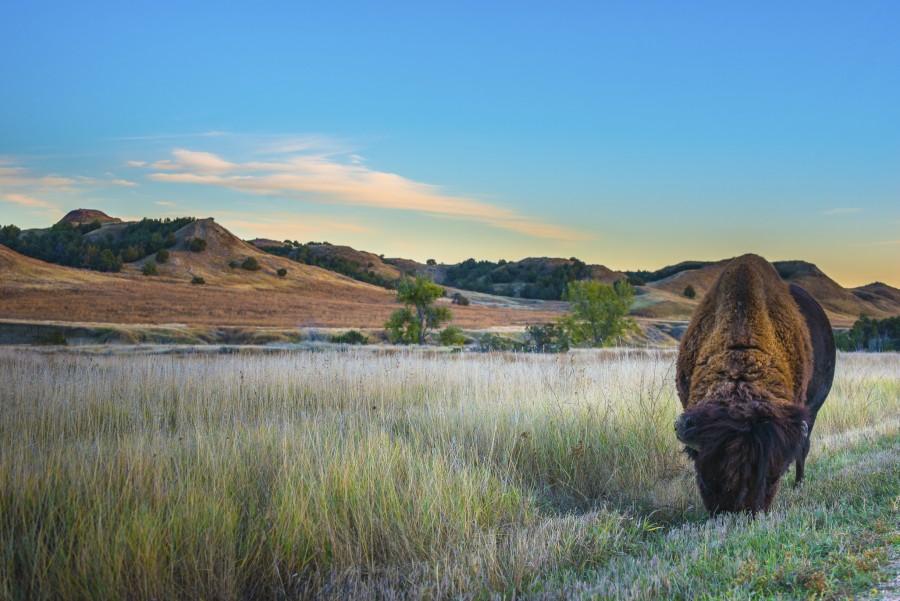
[741, 449]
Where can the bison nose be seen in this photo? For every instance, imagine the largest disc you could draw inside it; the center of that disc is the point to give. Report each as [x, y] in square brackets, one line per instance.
[684, 427]
[683, 424]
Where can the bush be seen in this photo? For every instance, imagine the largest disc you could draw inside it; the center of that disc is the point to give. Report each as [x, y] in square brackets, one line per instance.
[350, 337]
[281, 272]
[150, 268]
[197, 280]
[250, 264]
[689, 292]
[492, 342]
[452, 336]
[431, 262]
[198, 245]
[548, 338]
[162, 256]
[233, 264]
[54, 336]
[459, 299]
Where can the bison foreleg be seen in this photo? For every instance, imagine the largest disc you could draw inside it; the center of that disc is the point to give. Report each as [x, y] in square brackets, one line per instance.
[801, 460]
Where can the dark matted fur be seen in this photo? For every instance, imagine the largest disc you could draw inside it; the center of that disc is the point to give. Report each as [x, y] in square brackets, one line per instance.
[743, 375]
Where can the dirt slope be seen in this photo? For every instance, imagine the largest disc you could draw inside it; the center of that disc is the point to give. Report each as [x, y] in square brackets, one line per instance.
[83, 216]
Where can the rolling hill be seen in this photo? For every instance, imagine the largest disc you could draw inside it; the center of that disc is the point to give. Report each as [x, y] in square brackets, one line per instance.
[307, 296]
[316, 296]
[665, 298]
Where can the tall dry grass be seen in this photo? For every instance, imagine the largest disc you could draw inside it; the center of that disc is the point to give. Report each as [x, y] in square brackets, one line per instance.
[340, 474]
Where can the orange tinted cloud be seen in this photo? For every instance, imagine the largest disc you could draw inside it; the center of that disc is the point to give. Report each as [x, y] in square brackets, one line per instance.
[322, 178]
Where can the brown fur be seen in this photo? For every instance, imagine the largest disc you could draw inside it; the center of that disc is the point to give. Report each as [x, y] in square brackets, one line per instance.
[743, 369]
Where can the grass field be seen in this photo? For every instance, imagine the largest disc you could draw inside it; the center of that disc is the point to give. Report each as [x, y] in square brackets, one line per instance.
[413, 474]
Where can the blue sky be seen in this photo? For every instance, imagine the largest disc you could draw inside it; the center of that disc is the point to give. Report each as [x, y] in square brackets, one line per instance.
[634, 135]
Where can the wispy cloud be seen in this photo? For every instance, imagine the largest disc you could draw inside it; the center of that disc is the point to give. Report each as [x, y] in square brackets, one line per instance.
[123, 182]
[842, 211]
[27, 201]
[165, 203]
[329, 178]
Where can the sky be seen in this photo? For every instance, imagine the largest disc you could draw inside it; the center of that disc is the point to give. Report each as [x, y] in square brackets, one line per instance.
[635, 135]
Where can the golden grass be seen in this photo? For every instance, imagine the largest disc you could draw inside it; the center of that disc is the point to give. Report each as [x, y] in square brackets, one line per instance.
[306, 297]
[362, 473]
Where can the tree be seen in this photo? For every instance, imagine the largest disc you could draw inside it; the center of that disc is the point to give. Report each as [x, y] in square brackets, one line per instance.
[599, 312]
[162, 256]
[233, 264]
[197, 280]
[250, 264]
[198, 245]
[421, 315]
[281, 272]
[431, 262]
[689, 292]
[150, 268]
[402, 327]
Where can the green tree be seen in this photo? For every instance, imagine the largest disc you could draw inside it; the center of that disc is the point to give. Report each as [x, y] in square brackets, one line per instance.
[198, 245]
[150, 268]
[421, 315]
[689, 292]
[281, 272]
[402, 327]
[599, 312]
[250, 264]
[162, 256]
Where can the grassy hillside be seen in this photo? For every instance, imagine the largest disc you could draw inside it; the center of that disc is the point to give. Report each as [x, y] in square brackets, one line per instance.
[410, 475]
[306, 297]
[664, 297]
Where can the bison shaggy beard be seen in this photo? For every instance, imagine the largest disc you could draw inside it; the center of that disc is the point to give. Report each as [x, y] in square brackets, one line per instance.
[742, 449]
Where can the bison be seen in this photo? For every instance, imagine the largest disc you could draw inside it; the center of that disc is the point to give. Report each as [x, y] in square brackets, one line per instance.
[753, 370]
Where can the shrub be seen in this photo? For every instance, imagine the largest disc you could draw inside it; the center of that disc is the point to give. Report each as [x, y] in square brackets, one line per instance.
[198, 245]
[350, 337]
[431, 262]
[689, 292]
[281, 272]
[197, 280]
[162, 256]
[459, 299]
[548, 338]
[233, 264]
[250, 264]
[493, 342]
[150, 268]
[452, 336]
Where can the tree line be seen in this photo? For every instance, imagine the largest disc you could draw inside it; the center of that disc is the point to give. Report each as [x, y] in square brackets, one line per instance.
[868, 334]
[68, 244]
[484, 276]
[306, 254]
